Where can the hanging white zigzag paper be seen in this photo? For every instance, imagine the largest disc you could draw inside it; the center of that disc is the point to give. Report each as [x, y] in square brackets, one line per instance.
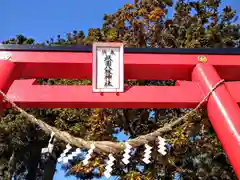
[126, 155]
[72, 155]
[50, 146]
[162, 146]
[88, 156]
[147, 154]
[108, 168]
[68, 147]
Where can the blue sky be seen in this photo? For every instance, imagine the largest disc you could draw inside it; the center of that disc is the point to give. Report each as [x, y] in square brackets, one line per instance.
[44, 19]
[47, 18]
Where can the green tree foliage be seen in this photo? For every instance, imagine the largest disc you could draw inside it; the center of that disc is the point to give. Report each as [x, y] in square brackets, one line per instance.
[20, 141]
[19, 39]
[195, 151]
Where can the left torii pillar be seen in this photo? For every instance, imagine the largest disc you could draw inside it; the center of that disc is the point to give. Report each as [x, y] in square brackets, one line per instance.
[8, 74]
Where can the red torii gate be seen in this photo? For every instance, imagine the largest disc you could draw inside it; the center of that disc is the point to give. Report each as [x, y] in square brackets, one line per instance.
[195, 80]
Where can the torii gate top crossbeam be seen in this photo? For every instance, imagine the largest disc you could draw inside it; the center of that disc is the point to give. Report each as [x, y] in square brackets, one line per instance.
[139, 64]
[80, 48]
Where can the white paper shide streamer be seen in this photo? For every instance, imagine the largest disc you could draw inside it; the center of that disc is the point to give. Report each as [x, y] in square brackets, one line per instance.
[162, 146]
[61, 158]
[108, 168]
[50, 146]
[147, 154]
[126, 154]
[88, 156]
[69, 157]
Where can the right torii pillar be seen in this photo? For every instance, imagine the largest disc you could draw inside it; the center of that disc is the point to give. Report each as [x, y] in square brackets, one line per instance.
[223, 112]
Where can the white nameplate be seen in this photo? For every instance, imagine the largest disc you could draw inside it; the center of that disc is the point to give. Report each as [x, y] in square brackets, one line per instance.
[108, 73]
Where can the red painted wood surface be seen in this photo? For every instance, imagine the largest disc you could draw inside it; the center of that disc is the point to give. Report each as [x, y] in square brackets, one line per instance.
[222, 105]
[8, 74]
[42, 96]
[136, 66]
[27, 93]
[223, 112]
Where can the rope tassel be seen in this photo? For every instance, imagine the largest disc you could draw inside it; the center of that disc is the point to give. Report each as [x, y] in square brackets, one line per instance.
[72, 155]
[108, 168]
[50, 146]
[126, 155]
[88, 156]
[147, 154]
[162, 146]
[68, 147]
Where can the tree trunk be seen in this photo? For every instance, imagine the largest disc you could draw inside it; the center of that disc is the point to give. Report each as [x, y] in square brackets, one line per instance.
[11, 165]
[50, 167]
[34, 159]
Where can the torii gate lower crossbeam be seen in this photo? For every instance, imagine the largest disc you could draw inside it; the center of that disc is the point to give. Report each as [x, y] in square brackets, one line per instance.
[222, 106]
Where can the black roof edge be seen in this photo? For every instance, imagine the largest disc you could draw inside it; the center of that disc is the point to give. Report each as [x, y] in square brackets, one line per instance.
[222, 51]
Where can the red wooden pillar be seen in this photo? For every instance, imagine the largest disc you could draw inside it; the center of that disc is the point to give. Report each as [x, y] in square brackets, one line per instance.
[223, 112]
[7, 76]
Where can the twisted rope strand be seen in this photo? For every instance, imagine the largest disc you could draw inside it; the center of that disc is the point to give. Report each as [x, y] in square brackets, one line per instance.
[106, 146]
